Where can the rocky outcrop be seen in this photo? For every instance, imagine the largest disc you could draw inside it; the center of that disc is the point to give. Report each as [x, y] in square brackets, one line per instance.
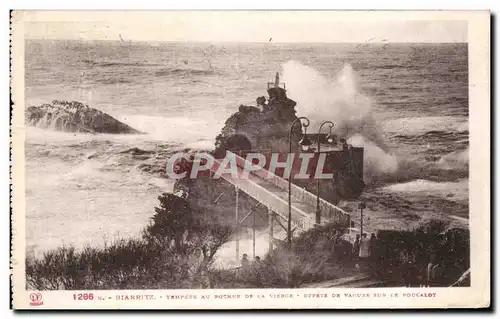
[75, 117]
[263, 128]
[266, 127]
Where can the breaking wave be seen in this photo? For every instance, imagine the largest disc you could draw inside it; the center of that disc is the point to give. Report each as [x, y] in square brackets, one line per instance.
[130, 72]
[113, 64]
[320, 98]
[184, 72]
[432, 125]
[451, 167]
[455, 160]
[341, 100]
[435, 136]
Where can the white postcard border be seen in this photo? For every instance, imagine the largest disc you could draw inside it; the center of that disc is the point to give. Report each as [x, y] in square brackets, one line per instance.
[478, 295]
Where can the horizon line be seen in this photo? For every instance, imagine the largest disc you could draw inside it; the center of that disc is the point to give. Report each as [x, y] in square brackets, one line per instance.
[237, 42]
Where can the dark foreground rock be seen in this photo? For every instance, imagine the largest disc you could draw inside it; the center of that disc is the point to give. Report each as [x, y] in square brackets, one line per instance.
[75, 117]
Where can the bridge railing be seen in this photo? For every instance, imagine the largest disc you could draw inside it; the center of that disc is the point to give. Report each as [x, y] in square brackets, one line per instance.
[300, 219]
[329, 211]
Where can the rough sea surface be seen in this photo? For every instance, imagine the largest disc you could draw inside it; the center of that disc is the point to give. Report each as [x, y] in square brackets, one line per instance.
[407, 104]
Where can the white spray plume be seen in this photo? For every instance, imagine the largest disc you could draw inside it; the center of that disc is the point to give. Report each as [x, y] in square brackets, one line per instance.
[339, 100]
[376, 161]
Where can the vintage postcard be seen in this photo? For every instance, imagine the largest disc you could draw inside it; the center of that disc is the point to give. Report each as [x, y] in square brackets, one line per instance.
[250, 159]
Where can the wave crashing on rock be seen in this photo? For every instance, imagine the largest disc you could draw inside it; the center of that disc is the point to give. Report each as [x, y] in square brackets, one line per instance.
[75, 117]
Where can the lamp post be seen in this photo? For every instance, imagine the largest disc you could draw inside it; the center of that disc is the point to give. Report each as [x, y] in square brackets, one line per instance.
[329, 139]
[305, 143]
[361, 206]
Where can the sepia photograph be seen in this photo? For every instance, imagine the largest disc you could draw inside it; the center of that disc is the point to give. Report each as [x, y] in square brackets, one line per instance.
[294, 152]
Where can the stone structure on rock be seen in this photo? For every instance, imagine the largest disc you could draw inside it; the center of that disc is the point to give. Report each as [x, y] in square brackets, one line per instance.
[254, 129]
[264, 128]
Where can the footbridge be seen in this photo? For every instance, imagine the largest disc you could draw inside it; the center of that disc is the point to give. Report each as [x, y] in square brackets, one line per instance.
[272, 191]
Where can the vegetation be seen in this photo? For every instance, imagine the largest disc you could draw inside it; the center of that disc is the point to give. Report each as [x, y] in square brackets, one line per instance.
[399, 258]
[316, 255]
[175, 251]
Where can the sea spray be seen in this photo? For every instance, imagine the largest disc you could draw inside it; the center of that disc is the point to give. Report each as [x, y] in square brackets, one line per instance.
[455, 160]
[376, 161]
[340, 100]
[189, 131]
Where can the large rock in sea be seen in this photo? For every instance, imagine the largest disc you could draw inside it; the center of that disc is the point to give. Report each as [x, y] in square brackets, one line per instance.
[260, 128]
[75, 117]
[263, 128]
[252, 128]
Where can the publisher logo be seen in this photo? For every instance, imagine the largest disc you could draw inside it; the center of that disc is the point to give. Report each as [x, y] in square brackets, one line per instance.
[36, 299]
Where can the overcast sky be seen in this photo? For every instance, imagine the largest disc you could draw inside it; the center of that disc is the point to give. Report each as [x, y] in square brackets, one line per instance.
[255, 26]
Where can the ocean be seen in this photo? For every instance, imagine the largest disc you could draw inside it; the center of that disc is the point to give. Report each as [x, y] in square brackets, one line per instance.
[407, 104]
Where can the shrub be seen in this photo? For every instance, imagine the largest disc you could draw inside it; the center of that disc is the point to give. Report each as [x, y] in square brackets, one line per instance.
[317, 254]
[175, 251]
[185, 230]
[132, 263]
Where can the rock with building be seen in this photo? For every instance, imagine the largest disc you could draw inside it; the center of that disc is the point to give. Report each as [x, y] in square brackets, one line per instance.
[266, 128]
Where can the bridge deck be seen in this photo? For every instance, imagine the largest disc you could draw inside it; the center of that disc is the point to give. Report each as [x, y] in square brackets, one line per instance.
[272, 191]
